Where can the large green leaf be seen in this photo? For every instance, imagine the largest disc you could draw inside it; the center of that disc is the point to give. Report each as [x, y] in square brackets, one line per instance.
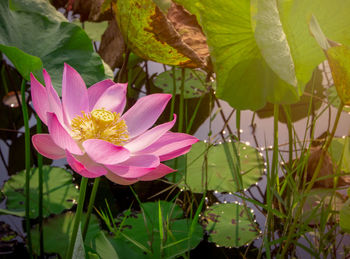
[243, 77]
[230, 225]
[59, 192]
[31, 32]
[333, 17]
[262, 50]
[57, 232]
[145, 230]
[220, 177]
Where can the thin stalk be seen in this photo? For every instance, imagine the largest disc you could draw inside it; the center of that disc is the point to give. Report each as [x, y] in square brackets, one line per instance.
[77, 217]
[90, 206]
[271, 179]
[238, 124]
[40, 186]
[27, 164]
[182, 100]
[312, 181]
[172, 107]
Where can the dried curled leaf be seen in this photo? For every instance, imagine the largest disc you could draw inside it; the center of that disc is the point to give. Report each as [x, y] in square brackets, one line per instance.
[176, 36]
[112, 45]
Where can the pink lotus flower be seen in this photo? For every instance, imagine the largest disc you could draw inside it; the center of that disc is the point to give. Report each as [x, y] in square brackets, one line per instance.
[88, 127]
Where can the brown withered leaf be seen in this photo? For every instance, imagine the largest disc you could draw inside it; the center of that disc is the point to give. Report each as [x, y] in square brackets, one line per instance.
[112, 45]
[187, 26]
[90, 10]
[176, 35]
[327, 168]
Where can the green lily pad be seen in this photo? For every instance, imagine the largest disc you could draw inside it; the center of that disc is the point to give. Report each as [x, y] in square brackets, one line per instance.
[229, 225]
[57, 232]
[33, 40]
[220, 177]
[59, 193]
[193, 82]
[145, 230]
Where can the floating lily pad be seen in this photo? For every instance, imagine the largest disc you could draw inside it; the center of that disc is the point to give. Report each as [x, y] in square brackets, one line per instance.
[220, 177]
[193, 82]
[57, 232]
[58, 191]
[229, 225]
[145, 230]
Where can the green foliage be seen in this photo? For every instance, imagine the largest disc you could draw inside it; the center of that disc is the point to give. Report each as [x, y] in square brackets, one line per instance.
[143, 231]
[344, 221]
[33, 33]
[334, 99]
[194, 82]
[104, 248]
[93, 29]
[229, 225]
[79, 250]
[262, 50]
[219, 176]
[320, 204]
[57, 232]
[339, 151]
[58, 189]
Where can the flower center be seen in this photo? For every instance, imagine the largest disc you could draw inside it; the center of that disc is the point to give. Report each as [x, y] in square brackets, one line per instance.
[100, 124]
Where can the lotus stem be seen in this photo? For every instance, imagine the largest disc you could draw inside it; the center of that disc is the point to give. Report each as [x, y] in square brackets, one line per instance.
[77, 218]
[40, 185]
[91, 205]
[27, 164]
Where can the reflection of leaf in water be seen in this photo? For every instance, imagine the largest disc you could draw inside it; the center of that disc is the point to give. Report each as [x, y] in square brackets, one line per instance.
[59, 192]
